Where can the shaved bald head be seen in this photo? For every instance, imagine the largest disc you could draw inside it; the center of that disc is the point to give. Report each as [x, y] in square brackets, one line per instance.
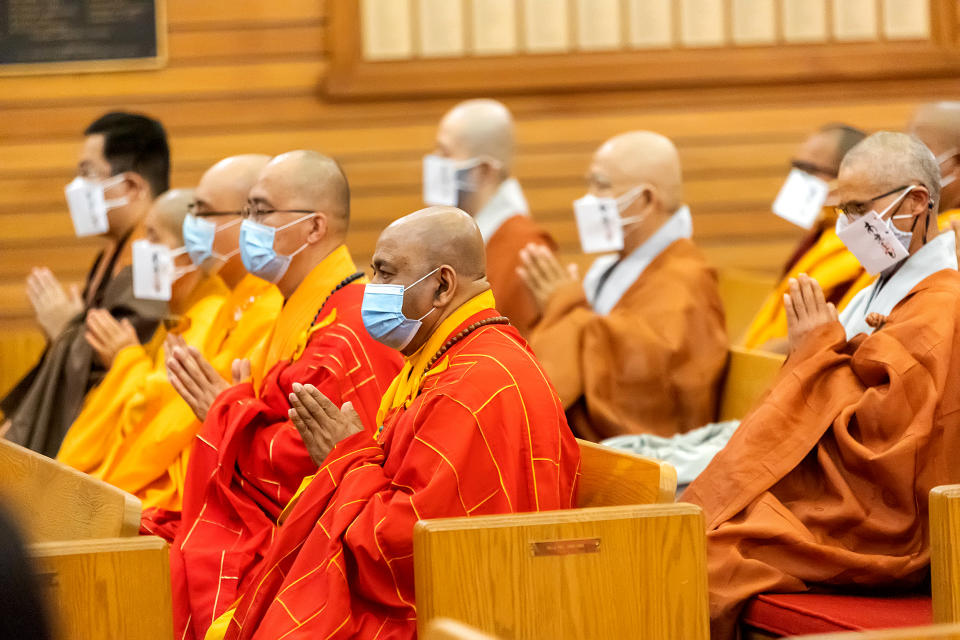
[305, 196]
[440, 235]
[439, 251]
[894, 159]
[165, 220]
[306, 180]
[478, 128]
[223, 190]
[640, 157]
[225, 185]
[872, 176]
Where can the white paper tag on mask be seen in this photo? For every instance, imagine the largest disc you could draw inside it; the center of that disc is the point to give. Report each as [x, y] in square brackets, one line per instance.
[598, 222]
[801, 198]
[873, 244]
[88, 208]
[152, 271]
[439, 181]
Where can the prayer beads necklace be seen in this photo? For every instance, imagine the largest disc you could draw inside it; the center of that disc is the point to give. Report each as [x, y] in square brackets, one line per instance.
[305, 336]
[348, 280]
[460, 336]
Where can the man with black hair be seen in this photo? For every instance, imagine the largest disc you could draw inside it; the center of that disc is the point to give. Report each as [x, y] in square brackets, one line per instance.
[124, 164]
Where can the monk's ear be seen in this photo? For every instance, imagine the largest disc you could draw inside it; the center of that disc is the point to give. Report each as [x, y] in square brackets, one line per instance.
[318, 230]
[139, 188]
[448, 286]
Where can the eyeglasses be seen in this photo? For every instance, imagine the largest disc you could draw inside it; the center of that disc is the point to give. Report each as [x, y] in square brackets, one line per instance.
[194, 209]
[857, 209]
[251, 211]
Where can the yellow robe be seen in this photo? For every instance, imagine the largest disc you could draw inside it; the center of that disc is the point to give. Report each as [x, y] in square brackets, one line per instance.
[135, 389]
[153, 464]
[829, 263]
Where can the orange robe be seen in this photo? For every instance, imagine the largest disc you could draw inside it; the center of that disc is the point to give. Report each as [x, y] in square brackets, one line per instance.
[249, 459]
[503, 257]
[482, 432]
[135, 389]
[826, 481]
[152, 461]
[651, 365]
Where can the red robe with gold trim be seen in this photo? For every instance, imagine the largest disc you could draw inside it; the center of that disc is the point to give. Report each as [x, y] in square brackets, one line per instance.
[482, 433]
[249, 460]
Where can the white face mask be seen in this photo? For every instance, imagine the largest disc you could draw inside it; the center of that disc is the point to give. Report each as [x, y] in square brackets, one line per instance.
[88, 205]
[876, 243]
[801, 198]
[445, 179]
[154, 271]
[943, 157]
[599, 223]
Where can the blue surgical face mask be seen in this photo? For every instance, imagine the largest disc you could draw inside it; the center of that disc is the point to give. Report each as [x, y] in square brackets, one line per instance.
[382, 313]
[257, 252]
[198, 238]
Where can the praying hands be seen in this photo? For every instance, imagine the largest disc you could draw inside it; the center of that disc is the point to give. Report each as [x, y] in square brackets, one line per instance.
[195, 379]
[543, 273]
[320, 423]
[806, 309]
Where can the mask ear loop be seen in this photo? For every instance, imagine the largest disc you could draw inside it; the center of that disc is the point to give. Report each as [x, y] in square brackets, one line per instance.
[113, 181]
[626, 200]
[226, 225]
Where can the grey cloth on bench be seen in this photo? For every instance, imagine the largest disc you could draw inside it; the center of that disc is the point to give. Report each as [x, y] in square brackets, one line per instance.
[689, 452]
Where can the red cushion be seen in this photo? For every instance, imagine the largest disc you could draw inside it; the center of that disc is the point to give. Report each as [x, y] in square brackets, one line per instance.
[798, 613]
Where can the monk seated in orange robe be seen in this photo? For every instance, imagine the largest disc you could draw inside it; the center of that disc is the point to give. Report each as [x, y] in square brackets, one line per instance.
[471, 426]
[825, 483]
[471, 168]
[639, 346]
[820, 254]
[248, 459]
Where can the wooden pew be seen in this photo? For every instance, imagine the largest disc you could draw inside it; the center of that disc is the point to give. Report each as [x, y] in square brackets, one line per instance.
[634, 569]
[447, 629]
[749, 374]
[113, 588]
[52, 502]
[742, 293]
[945, 553]
[102, 580]
[934, 632]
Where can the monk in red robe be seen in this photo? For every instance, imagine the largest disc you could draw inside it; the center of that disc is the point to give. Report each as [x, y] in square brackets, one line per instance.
[825, 482]
[249, 459]
[475, 141]
[471, 426]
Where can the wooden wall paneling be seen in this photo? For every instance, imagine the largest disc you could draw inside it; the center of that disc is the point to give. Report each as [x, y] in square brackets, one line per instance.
[905, 19]
[699, 23]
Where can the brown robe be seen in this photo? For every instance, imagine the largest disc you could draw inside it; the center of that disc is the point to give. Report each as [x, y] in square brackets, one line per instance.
[514, 299]
[826, 480]
[653, 364]
[43, 405]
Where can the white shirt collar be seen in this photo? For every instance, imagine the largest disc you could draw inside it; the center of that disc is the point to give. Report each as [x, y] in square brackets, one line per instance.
[507, 202]
[938, 254]
[627, 271]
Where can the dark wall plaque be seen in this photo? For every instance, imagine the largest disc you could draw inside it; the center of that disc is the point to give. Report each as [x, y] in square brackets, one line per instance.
[60, 35]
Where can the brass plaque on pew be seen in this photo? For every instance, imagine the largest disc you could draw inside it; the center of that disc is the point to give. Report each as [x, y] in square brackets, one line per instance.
[69, 36]
[565, 547]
